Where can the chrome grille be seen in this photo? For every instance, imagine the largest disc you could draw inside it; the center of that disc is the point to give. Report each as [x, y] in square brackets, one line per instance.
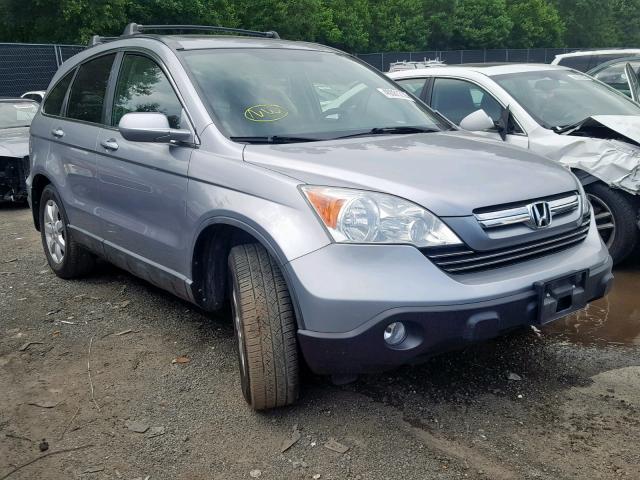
[463, 259]
[522, 214]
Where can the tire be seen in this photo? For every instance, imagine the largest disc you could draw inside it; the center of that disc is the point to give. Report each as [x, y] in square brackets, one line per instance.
[265, 328]
[66, 257]
[616, 218]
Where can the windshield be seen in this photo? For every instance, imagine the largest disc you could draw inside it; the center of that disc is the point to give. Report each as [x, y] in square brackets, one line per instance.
[558, 98]
[301, 93]
[17, 114]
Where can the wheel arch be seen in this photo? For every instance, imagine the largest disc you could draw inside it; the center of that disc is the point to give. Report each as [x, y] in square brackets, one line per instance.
[38, 184]
[585, 177]
[211, 246]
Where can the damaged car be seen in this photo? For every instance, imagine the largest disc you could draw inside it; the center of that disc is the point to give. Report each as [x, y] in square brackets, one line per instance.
[15, 119]
[558, 112]
[348, 239]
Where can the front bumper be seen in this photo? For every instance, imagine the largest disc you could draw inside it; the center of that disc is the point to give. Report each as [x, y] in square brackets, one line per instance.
[348, 294]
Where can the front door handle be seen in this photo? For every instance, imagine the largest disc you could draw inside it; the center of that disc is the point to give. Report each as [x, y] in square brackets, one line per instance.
[110, 144]
[57, 132]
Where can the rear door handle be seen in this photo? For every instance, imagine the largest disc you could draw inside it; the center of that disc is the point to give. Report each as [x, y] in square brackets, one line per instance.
[57, 132]
[110, 144]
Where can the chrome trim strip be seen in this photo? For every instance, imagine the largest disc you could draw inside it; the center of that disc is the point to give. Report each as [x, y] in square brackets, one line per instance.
[512, 216]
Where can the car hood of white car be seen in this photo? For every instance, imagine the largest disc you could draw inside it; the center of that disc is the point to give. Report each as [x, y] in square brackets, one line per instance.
[605, 146]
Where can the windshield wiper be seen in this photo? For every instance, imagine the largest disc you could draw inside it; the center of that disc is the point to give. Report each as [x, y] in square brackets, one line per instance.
[399, 130]
[275, 139]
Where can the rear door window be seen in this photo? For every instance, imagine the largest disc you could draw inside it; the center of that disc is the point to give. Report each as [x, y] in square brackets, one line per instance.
[53, 103]
[143, 87]
[86, 99]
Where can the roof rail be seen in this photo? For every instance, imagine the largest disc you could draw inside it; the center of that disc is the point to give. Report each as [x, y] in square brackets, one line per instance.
[97, 40]
[134, 28]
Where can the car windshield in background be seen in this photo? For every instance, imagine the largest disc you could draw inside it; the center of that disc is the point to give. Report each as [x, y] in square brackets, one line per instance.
[301, 95]
[558, 98]
[17, 114]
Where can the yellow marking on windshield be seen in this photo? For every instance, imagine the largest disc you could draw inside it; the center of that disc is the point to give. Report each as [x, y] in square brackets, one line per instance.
[265, 113]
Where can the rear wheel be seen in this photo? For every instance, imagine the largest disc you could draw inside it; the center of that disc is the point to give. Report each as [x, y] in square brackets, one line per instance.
[265, 328]
[616, 219]
[66, 257]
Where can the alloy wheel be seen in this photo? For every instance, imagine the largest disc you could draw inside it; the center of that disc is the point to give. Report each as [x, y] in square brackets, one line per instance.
[605, 222]
[54, 231]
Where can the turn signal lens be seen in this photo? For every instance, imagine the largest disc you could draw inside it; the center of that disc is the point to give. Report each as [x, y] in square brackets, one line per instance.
[327, 207]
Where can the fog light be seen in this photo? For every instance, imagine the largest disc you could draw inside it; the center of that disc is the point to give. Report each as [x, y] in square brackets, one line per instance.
[395, 333]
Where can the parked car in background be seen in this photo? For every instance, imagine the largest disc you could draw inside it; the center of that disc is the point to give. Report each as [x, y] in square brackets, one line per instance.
[586, 60]
[15, 118]
[413, 65]
[354, 237]
[615, 73]
[557, 112]
[36, 96]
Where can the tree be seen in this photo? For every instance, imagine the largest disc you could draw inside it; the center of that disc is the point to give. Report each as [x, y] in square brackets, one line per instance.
[590, 23]
[626, 14]
[480, 24]
[397, 25]
[439, 17]
[536, 23]
[293, 19]
[349, 26]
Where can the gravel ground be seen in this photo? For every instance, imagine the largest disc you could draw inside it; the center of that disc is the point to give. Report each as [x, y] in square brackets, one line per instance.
[571, 410]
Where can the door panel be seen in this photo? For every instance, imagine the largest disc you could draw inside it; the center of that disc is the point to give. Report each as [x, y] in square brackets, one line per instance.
[72, 152]
[143, 190]
[143, 186]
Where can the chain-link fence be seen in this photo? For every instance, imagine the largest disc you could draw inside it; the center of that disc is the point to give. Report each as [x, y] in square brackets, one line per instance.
[452, 57]
[26, 66]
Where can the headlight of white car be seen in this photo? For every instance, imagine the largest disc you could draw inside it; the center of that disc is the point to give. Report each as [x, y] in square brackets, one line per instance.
[358, 216]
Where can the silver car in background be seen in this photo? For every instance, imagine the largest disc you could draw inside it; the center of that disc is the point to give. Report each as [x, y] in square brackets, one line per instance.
[557, 112]
[16, 115]
[354, 235]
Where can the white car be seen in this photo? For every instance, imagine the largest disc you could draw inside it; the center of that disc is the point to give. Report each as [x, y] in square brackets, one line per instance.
[36, 95]
[555, 111]
[586, 60]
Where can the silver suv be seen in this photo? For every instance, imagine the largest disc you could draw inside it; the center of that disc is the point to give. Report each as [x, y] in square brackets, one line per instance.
[354, 235]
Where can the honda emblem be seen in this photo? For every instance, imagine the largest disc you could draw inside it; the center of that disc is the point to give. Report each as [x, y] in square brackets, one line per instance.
[539, 215]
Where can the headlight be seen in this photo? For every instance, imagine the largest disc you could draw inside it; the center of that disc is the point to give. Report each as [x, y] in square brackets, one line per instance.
[357, 216]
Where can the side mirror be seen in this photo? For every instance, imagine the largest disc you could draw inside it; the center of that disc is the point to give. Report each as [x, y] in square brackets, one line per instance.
[150, 127]
[477, 121]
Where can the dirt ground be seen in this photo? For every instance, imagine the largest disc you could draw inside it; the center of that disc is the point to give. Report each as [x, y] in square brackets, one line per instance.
[570, 408]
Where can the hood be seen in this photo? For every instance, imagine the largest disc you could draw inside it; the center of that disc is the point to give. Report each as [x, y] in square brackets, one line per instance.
[621, 127]
[449, 173]
[605, 146]
[14, 142]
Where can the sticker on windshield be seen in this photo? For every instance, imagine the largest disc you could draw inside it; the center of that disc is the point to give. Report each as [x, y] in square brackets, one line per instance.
[265, 113]
[395, 93]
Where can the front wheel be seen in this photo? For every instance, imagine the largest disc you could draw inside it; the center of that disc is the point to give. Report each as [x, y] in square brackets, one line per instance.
[265, 328]
[616, 219]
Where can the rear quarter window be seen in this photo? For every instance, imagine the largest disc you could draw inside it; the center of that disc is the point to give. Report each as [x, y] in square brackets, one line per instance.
[55, 99]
